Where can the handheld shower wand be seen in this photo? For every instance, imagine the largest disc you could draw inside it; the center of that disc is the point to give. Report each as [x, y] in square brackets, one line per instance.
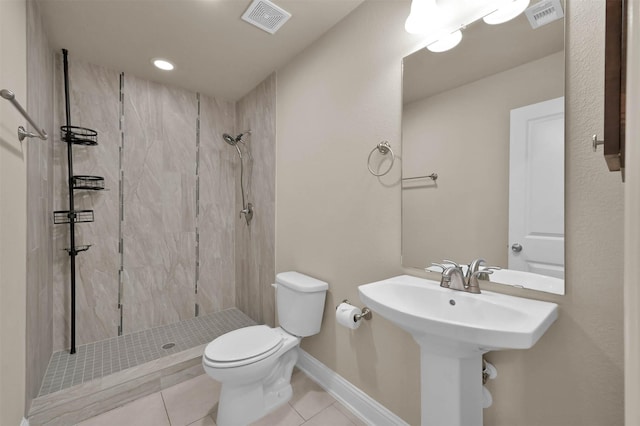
[247, 208]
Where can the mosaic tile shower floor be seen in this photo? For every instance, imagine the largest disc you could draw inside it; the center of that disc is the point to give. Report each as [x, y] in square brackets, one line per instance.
[99, 359]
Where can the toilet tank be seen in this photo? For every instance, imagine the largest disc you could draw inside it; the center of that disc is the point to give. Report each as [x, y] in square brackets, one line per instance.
[300, 303]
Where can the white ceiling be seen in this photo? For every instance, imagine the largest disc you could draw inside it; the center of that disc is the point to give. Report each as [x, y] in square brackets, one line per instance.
[214, 51]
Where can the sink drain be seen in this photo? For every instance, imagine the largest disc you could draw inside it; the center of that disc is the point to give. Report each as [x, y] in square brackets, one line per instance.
[168, 345]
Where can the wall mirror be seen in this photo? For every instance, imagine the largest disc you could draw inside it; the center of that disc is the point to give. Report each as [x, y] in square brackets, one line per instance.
[488, 118]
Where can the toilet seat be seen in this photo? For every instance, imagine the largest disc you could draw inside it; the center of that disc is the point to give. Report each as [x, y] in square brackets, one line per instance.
[243, 346]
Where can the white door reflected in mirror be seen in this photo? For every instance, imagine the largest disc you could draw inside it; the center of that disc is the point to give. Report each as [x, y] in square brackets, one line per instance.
[536, 201]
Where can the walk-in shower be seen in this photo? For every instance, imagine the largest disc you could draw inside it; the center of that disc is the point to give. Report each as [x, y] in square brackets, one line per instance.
[154, 289]
[247, 208]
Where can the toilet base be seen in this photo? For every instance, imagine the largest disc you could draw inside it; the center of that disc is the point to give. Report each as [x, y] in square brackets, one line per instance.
[241, 404]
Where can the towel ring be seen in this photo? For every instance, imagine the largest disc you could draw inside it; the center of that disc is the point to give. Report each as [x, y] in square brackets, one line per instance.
[384, 148]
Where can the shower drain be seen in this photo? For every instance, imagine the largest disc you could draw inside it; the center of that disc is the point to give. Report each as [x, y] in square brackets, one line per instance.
[168, 345]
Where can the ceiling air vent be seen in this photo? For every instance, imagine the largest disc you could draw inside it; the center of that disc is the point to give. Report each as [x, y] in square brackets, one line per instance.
[544, 12]
[266, 15]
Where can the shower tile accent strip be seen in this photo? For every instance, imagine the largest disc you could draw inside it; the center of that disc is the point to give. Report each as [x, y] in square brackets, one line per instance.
[98, 359]
[121, 207]
[197, 218]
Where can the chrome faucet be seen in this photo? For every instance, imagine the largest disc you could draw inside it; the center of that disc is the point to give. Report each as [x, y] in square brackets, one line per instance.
[454, 278]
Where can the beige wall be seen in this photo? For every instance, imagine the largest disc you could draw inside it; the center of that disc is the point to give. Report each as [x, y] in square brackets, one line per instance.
[632, 230]
[335, 221]
[472, 162]
[13, 218]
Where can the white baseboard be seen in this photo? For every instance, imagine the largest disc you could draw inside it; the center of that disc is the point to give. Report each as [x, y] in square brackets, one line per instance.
[362, 405]
[24, 422]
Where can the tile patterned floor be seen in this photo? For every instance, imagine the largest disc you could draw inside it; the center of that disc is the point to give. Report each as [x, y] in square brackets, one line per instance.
[109, 356]
[194, 402]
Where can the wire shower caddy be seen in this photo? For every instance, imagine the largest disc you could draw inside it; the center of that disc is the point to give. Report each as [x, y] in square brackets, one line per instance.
[74, 135]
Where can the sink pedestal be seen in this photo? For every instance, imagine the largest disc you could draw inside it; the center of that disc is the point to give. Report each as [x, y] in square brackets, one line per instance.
[451, 387]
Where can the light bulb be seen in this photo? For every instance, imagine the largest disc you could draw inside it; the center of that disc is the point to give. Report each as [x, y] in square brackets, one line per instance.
[423, 17]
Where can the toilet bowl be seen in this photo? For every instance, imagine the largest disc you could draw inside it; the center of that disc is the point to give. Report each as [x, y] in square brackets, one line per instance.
[254, 364]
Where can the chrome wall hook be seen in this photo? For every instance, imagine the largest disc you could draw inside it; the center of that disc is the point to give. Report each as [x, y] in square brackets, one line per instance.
[595, 142]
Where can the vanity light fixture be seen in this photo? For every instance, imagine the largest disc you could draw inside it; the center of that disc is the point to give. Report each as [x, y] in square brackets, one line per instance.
[424, 15]
[162, 64]
[441, 21]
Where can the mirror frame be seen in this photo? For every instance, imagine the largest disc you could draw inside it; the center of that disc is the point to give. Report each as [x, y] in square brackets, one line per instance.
[615, 67]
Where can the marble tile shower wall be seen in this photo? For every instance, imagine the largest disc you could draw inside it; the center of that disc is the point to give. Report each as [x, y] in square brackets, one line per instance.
[159, 187]
[256, 244]
[39, 203]
[179, 212]
[217, 207]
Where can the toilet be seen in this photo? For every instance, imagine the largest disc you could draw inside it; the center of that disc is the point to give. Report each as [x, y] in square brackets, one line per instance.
[254, 364]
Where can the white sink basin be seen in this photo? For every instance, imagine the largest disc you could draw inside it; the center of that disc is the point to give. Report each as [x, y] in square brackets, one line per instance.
[454, 329]
[486, 321]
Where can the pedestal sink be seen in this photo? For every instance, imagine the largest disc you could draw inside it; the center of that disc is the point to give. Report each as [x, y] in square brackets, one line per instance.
[454, 329]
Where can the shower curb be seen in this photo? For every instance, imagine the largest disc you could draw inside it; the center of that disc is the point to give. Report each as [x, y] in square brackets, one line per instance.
[86, 400]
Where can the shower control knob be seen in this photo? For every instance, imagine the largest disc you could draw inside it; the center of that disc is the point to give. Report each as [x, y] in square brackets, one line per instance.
[516, 248]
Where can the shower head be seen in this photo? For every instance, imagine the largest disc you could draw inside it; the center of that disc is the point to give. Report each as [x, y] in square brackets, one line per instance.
[230, 139]
[7, 94]
[234, 141]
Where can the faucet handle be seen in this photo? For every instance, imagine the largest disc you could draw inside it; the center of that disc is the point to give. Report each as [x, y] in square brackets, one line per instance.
[452, 276]
[451, 262]
[484, 272]
[487, 271]
[437, 265]
[445, 280]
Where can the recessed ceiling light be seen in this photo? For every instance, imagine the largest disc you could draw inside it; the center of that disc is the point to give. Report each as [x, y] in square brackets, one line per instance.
[163, 64]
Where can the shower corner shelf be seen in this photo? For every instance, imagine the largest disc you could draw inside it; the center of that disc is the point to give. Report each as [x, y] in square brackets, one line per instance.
[78, 249]
[91, 183]
[76, 216]
[79, 135]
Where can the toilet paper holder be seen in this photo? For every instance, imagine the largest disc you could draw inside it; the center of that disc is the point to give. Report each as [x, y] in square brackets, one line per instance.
[366, 312]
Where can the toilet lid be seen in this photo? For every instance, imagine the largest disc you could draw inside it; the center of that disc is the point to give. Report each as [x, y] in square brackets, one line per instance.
[244, 344]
